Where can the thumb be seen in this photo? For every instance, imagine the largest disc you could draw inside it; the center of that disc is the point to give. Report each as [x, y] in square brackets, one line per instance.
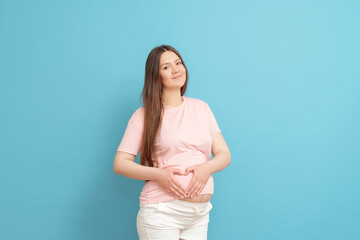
[177, 171]
[189, 169]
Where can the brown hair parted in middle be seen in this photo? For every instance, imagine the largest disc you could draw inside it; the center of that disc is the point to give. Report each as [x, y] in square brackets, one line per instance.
[151, 97]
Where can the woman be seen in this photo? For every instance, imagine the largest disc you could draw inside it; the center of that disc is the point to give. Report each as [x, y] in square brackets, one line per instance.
[176, 136]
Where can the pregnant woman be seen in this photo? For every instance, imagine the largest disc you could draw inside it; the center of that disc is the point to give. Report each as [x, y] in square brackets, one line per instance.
[176, 136]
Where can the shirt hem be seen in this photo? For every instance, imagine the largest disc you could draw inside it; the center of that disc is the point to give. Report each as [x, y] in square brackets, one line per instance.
[167, 199]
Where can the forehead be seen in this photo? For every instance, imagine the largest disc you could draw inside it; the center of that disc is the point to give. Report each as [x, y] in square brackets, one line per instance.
[168, 56]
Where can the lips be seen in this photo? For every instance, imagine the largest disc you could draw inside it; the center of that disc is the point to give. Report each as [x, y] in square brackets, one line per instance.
[177, 77]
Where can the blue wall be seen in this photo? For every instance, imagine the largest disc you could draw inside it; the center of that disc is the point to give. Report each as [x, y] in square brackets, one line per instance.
[282, 79]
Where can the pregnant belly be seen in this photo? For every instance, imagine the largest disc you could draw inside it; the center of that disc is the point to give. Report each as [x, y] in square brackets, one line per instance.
[152, 190]
[184, 182]
[203, 196]
[198, 199]
[183, 162]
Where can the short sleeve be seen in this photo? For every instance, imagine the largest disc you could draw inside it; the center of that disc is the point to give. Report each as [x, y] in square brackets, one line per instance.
[132, 139]
[213, 126]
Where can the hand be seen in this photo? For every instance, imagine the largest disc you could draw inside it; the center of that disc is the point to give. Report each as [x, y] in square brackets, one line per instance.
[166, 180]
[199, 179]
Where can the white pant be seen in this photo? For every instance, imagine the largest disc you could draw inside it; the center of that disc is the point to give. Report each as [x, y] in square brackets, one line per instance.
[173, 220]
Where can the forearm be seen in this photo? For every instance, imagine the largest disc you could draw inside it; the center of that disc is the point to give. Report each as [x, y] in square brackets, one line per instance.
[219, 162]
[134, 170]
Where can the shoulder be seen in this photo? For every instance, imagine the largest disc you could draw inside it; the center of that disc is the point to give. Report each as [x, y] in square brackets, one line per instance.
[197, 103]
[138, 116]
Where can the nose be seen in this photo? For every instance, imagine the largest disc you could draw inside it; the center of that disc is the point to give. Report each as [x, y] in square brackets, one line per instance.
[175, 69]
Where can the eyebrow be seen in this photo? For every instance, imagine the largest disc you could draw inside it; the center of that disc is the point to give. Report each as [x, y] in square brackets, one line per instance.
[168, 62]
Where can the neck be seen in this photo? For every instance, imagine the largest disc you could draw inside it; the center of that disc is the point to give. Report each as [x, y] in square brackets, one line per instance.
[172, 98]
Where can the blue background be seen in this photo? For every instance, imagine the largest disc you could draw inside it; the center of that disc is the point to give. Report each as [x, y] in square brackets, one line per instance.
[281, 77]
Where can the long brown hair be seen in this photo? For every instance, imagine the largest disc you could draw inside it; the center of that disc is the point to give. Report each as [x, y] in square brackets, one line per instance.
[151, 97]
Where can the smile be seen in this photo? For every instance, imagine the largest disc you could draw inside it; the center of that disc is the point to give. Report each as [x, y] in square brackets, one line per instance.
[177, 77]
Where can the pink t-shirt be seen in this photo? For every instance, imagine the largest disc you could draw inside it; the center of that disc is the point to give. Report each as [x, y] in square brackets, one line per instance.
[184, 139]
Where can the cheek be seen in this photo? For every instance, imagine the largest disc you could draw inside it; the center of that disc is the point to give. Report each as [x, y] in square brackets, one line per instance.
[164, 78]
[182, 67]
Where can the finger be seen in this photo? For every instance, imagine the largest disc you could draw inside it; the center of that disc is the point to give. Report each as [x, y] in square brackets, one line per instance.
[197, 190]
[169, 190]
[179, 189]
[188, 170]
[175, 192]
[201, 189]
[177, 171]
[194, 187]
[191, 185]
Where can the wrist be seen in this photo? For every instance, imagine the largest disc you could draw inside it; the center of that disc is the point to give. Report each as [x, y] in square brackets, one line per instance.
[207, 166]
[155, 173]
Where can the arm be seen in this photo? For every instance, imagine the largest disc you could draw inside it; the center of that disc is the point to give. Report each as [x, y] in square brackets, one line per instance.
[125, 165]
[202, 172]
[221, 153]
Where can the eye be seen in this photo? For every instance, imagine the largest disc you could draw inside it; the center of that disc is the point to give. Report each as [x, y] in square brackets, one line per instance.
[176, 63]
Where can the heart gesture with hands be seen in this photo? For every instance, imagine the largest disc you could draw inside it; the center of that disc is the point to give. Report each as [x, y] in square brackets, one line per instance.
[166, 180]
[199, 179]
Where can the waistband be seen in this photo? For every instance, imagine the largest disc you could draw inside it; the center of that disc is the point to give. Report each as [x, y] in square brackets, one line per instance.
[179, 202]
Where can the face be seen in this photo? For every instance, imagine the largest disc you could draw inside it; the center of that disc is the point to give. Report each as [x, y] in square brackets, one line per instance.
[172, 71]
